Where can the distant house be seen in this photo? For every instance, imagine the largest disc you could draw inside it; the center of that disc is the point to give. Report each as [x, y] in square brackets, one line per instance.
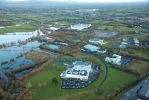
[79, 70]
[136, 40]
[147, 43]
[20, 91]
[123, 44]
[116, 59]
[93, 48]
[97, 41]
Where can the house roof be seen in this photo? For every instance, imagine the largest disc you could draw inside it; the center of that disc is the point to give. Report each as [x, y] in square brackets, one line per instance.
[144, 91]
[19, 91]
[79, 69]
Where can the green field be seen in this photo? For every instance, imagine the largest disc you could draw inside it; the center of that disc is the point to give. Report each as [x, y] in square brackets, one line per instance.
[22, 28]
[115, 79]
[138, 66]
[108, 44]
[65, 23]
[54, 91]
[96, 22]
[121, 28]
[141, 53]
[143, 37]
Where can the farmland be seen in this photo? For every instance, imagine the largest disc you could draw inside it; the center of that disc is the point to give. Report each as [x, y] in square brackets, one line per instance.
[58, 45]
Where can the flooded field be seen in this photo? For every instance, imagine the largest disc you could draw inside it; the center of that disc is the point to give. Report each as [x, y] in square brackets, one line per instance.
[14, 56]
[53, 46]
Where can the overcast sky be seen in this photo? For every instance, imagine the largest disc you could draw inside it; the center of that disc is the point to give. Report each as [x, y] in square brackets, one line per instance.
[86, 0]
[101, 0]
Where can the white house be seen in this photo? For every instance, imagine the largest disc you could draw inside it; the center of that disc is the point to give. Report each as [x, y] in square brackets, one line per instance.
[97, 41]
[79, 70]
[123, 44]
[116, 59]
[136, 40]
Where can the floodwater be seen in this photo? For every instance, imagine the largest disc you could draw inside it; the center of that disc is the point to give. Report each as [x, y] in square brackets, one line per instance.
[14, 52]
[53, 46]
[62, 43]
[16, 36]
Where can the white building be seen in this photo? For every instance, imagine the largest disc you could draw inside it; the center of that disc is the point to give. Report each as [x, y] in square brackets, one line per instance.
[116, 59]
[97, 41]
[54, 28]
[79, 70]
[123, 44]
[79, 27]
[94, 48]
[125, 39]
[136, 40]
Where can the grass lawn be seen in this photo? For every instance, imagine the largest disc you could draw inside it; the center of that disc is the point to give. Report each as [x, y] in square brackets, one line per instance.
[67, 17]
[139, 66]
[120, 28]
[106, 26]
[22, 28]
[53, 92]
[141, 53]
[125, 28]
[65, 23]
[108, 44]
[95, 22]
[115, 79]
[37, 56]
[143, 37]
[118, 97]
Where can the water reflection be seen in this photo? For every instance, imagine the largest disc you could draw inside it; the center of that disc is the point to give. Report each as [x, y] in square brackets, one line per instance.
[14, 57]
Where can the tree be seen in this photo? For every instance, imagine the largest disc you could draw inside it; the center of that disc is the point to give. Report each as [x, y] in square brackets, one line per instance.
[106, 28]
[102, 98]
[28, 85]
[44, 84]
[54, 81]
[39, 85]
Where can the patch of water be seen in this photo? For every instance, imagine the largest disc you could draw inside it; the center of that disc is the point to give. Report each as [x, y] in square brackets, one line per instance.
[6, 54]
[53, 46]
[2, 27]
[20, 74]
[62, 43]
[13, 52]
[16, 36]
